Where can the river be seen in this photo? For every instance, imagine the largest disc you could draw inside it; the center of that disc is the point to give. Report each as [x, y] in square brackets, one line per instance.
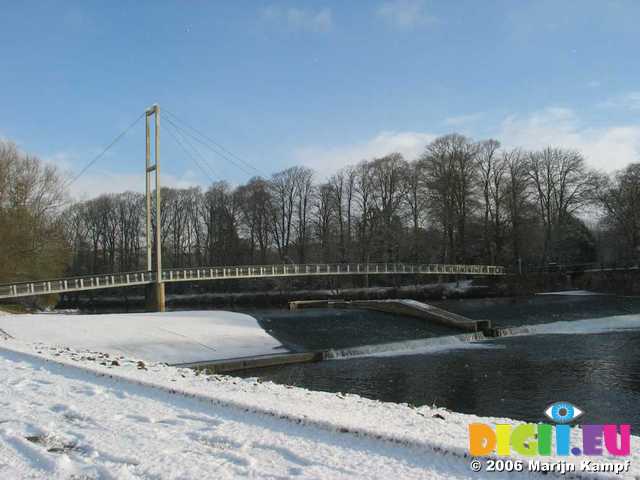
[580, 350]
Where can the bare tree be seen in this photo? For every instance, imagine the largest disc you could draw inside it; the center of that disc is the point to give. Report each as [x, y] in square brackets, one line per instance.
[619, 197]
[449, 165]
[562, 185]
[416, 199]
[388, 176]
[517, 196]
[305, 190]
[366, 222]
[489, 171]
[325, 214]
[283, 190]
[343, 184]
[256, 206]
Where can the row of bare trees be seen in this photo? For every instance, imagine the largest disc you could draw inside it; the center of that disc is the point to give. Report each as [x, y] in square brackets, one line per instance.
[460, 201]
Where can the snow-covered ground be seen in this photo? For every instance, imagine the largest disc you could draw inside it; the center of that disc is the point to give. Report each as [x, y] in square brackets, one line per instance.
[171, 337]
[85, 397]
[80, 414]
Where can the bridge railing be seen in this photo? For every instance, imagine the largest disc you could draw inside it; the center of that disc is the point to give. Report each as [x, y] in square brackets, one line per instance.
[86, 282]
[255, 271]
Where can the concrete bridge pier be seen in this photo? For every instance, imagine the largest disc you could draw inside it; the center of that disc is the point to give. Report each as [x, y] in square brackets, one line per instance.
[155, 297]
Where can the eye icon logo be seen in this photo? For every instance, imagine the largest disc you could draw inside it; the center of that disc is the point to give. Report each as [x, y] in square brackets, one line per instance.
[563, 412]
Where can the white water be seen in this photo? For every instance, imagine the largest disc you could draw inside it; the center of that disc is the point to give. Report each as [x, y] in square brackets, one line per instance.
[578, 293]
[413, 347]
[478, 340]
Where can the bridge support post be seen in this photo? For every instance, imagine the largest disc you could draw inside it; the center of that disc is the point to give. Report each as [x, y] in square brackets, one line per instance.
[159, 297]
[155, 299]
[155, 296]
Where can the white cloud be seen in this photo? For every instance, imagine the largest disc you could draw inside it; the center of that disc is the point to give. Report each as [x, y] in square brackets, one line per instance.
[99, 179]
[607, 148]
[629, 101]
[405, 14]
[97, 182]
[459, 120]
[62, 160]
[300, 19]
[327, 160]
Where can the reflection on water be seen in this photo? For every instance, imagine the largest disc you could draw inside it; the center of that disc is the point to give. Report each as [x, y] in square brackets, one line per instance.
[518, 377]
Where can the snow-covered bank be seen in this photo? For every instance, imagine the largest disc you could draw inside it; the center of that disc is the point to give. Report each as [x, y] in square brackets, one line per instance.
[70, 413]
[62, 422]
[171, 337]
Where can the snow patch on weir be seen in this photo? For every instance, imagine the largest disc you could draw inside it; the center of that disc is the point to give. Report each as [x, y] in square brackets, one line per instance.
[614, 323]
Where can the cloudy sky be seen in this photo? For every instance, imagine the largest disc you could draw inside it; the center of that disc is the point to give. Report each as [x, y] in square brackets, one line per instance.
[321, 83]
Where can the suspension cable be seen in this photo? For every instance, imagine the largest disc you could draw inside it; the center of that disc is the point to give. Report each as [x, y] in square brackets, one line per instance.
[224, 152]
[194, 148]
[189, 154]
[103, 152]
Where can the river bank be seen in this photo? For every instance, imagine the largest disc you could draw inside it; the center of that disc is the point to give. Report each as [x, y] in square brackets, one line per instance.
[180, 424]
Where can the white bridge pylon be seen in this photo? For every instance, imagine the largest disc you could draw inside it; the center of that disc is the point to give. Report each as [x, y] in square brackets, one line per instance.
[118, 280]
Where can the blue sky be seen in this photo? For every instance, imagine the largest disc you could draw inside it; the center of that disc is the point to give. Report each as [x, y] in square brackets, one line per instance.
[319, 83]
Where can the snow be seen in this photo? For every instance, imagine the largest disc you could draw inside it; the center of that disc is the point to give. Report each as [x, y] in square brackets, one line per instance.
[87, 412]
[408, 302]
[616, 323]
[578, 293]
[171, 337]
[64, 415]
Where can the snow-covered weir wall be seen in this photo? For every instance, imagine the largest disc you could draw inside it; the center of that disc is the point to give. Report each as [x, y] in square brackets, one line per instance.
[170, 337]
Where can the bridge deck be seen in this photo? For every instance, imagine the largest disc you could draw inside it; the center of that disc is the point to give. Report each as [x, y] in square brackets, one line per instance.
[117, 280]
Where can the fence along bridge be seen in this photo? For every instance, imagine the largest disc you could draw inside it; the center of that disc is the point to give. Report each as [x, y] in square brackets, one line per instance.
[128, 279]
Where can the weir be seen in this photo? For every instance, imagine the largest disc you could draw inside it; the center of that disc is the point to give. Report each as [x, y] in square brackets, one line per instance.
[419, 345]
[408, 347]
[404, 307]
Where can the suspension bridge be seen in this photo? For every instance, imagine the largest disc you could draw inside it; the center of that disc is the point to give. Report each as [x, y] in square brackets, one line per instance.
[128, 279]
[155, 276]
